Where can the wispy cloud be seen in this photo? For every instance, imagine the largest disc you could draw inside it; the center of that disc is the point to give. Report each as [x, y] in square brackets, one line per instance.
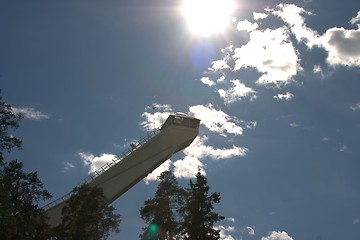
[355, 19]
[31, 113]
[343, 147]
[68, 166]
[155, 116]
[277, 236]
[355, 107]
[197, 151]
[294, 125]
[285, 96]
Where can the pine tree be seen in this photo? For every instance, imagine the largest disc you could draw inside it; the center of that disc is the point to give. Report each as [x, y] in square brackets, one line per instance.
[20, 192]
[160, 212]
[87, 216]
[198, 215]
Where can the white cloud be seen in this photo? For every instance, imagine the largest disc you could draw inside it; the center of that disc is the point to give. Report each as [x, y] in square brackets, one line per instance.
[258, 16]
[250, 231]
[271, 53]
[199, 150]
[356, 107]
[342, 45]
[216, 120]
[355, 19]
[293, 16]
[207, 81]
[245, 25]
[188, 167]
[236, 92]
[219, 64]
[285, 96]
[95, 162]
[154, 174]
[225, 232]
[154, 119]
[30, 113]
[277, 236]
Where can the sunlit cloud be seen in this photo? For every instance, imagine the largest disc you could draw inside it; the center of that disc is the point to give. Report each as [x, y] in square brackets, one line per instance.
[197, 152]
[285, 96]
[216, 120]
[355, 19]
[271, 52]
[188, 167]
[153, 176]
[155, 116]
[207, 81]
[294, 17]
[218, 65]
[342, 45]
[277, 236]
[225, 232]
[258, 16]
[30, 113]
[245, 25]
[237, 92]
[95, 162]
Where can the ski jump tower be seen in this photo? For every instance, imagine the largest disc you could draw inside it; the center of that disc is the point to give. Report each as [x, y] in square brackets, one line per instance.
[123, 172]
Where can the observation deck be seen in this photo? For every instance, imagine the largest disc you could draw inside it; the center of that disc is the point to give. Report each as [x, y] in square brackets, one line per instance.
[124, 171]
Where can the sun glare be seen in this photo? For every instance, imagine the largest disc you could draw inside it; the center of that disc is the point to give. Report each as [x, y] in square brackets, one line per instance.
[206, 17]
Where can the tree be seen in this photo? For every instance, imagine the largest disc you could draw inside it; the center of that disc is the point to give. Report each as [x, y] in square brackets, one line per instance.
[198, 215]
[87, 216]
[20, 192]
[20, 215]
[9, 122]
[160, 212]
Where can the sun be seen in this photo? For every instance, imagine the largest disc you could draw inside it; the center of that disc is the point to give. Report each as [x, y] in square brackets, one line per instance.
[207, 17]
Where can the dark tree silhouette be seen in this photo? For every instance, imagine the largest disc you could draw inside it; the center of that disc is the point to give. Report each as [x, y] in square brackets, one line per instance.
[20, 192]
[87, 216]
[198, 215]
[160, 212]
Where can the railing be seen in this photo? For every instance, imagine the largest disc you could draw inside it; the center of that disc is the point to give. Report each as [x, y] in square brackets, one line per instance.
[105, 167]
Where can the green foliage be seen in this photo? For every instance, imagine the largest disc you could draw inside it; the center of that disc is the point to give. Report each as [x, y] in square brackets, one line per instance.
[20, 216]
[9, 122]
[198, 215]
[20, 192]
[178, 213]
[160, 212]
[87, 216]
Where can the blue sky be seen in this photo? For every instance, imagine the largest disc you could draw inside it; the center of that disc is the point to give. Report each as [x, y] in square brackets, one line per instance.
[277, 90]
